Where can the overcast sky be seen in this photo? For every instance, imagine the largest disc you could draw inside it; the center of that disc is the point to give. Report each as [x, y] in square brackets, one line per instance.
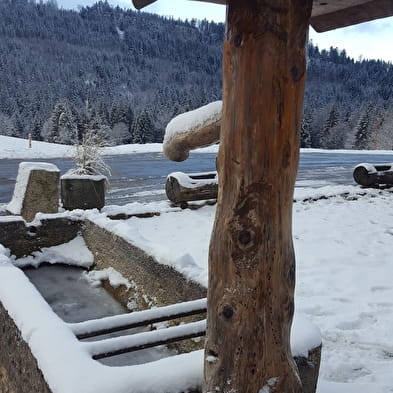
[372, 40]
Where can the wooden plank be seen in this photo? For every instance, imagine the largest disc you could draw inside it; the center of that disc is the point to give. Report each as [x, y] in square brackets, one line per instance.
[329, 14]
[251, 257]
[362, 12]
[139, 4]
[136, 342]
[121, 322]
[321, 7]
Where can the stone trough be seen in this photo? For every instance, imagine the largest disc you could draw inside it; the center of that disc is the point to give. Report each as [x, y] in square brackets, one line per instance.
[153, 285]
[149, 314]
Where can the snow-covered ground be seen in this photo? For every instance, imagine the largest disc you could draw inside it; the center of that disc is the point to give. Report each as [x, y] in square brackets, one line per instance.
[344, 283]
[17, 148]
[13, 148]
[344, 249]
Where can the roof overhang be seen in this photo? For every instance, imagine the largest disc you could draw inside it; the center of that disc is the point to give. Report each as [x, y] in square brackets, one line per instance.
[328, 14]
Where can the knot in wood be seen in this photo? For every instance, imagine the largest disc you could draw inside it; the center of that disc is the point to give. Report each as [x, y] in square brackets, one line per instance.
[244, 237]
[238, 40]
[227, 311]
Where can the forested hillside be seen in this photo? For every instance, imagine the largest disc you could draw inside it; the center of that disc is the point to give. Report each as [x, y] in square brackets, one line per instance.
[126, 74]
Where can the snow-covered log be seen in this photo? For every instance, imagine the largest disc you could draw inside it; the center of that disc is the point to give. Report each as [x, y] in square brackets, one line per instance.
[192, 130]
[116, 323]
[182, 187]
[370, 175]
[118, 345]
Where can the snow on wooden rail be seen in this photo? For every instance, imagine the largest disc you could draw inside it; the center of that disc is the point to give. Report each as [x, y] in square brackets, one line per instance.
[135, 342]
[116, 323]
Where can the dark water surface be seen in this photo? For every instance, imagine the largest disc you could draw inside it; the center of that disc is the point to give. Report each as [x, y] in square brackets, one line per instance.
[141, 177]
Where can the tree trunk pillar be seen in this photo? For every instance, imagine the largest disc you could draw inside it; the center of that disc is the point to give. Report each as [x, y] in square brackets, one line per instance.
[251, 258]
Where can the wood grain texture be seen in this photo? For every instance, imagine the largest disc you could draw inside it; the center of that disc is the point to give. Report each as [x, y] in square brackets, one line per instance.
[178, 147]
[251, 257]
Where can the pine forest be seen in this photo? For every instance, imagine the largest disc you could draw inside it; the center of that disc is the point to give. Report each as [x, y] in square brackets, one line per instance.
[125, 74]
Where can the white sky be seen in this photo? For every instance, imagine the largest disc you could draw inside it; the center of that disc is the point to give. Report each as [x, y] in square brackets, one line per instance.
[372, 40]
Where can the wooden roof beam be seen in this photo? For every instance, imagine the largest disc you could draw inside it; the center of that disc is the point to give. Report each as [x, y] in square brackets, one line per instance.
[328, 14]
[352, 15]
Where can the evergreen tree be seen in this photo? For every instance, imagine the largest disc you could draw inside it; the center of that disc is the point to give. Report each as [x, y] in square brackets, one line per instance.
[61, 126]
[363, 132]
[305, 131]
[143, 129]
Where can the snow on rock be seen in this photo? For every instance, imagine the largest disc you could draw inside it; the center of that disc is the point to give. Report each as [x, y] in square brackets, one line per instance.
[74, 253]
[189, 121]
[115, 278]
[25, 168]
[11, 218]
[179, 239]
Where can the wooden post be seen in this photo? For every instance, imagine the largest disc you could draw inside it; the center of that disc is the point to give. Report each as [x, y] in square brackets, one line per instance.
[30, 139]
[251, 258]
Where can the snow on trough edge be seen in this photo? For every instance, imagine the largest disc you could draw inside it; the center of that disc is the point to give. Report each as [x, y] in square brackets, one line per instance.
[47, 336]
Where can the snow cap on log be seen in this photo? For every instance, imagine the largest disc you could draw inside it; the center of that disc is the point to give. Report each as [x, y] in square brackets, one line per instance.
[329, 14]
[192, 130]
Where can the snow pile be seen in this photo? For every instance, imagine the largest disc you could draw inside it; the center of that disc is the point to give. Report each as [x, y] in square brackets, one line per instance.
[73, 253]
[190, 121]
[25, 168]
[115, 278]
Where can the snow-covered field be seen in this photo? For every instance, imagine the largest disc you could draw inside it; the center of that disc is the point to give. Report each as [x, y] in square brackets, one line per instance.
[11, 148]
[344, 256]
[17, 148]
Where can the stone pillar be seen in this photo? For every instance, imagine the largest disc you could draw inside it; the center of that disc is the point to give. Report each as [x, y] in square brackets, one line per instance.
[36, 190]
